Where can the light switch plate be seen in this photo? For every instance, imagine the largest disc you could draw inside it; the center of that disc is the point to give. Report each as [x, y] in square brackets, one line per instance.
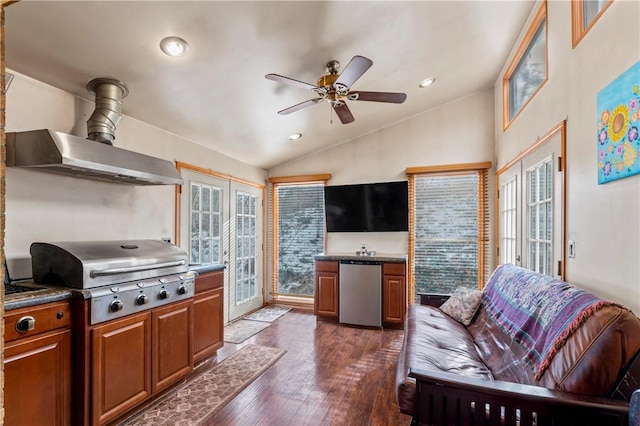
[572, 249]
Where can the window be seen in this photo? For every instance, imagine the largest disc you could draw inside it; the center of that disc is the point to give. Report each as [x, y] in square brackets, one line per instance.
[298, 218]
[246, 240]
[509, 220]
[527, 71]
[584, 14]
[448, 221]
[530, 203]
[206, 216]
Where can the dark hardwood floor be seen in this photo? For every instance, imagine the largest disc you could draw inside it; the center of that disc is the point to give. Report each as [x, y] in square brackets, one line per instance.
[330, 375]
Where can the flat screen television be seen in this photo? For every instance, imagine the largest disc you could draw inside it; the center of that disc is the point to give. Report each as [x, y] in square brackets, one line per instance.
[371, 207]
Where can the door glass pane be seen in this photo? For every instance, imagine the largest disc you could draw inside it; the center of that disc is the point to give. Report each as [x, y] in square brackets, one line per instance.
[195, 225]
[206, 199]
[508, 208]
[205, 223]
[246, 239]
[540, 219]
[195, 197]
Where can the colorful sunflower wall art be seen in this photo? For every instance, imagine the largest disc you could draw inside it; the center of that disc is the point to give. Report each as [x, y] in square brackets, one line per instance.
[619, 127]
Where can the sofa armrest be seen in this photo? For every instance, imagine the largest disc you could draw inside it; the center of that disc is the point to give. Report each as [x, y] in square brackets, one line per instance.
[433, 299]
[446, 398]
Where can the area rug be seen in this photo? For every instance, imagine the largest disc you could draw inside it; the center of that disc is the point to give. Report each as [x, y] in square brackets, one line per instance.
[268, 313]
[207, 393]
[239, 331]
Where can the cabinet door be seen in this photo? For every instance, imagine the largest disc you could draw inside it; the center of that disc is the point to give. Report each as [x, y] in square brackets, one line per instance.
[121, 372]
[326, 297]
[37, 375]
[172, 343]
[208, 330]
[393, 300]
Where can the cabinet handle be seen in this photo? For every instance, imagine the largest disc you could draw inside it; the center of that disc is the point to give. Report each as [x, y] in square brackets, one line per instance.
[26, 323]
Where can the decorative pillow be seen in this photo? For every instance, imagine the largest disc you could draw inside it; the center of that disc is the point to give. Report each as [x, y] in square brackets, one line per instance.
[463, 304]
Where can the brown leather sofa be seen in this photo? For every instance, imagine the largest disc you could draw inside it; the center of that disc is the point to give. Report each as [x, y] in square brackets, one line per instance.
[450, 374]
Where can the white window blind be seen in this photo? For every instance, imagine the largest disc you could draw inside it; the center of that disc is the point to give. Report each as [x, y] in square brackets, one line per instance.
[300, 235]
[450, 231]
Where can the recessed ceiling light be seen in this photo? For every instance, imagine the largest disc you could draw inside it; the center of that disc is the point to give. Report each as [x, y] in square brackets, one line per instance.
[426, 82]
[295, 136]
[174, 46]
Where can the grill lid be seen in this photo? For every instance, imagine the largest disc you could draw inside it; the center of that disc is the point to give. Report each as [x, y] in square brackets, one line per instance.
[89, 264]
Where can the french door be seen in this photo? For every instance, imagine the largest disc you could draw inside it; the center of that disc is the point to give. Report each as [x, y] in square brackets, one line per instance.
[222, 223]
[531, 210]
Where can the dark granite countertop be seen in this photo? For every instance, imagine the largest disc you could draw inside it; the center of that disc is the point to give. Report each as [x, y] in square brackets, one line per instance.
[381, 257]
[40, 295]
[203, 268]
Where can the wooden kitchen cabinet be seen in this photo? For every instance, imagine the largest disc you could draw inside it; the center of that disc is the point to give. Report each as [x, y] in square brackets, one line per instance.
[37, 366]
[208, 314]
[394, 294]
[172, 354]
[326, 290]
[121, 373]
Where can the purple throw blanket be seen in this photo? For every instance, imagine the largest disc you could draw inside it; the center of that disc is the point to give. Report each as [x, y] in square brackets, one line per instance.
[537, 311]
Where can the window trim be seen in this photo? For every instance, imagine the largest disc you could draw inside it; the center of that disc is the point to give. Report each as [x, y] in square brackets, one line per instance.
[561, 130]
[449, 169]
[275, 182]
[577, 18]
[540, 15]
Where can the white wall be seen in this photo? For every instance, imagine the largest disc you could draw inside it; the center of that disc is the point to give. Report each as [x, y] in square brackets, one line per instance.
[47, 207]
[459, 132]
[603, 220]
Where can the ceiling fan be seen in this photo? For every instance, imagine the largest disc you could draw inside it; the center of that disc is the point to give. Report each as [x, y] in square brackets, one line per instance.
[336, 88]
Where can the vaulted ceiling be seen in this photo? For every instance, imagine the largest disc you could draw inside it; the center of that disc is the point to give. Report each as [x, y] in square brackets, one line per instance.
[217, 94]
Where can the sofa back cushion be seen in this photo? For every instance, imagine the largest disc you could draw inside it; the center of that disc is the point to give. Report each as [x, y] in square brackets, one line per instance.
[552, 334]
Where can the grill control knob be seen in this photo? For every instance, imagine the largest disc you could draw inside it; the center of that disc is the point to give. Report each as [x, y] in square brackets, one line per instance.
[182, 290]
[142, 299]
[115, 306]
[164, 294]
[26, 323]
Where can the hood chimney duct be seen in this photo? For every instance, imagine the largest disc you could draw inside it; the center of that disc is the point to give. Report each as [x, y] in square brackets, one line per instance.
[101, 126]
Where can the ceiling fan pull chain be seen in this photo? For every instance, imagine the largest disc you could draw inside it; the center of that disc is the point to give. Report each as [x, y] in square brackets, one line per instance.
[330, 114]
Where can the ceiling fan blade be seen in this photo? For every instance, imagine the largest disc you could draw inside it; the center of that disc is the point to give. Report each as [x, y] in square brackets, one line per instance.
[300, 106]
[394, 98]
[353, 71]
[290, 81]
[343, 113]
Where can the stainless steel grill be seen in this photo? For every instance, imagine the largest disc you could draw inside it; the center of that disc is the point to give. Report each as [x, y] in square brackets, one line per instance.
[122, 277]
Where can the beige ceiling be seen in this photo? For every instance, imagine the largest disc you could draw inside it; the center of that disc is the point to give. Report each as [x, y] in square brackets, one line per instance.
[217, 95]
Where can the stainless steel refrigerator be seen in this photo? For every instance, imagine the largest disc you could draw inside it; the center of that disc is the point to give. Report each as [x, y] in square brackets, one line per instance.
[361, 292]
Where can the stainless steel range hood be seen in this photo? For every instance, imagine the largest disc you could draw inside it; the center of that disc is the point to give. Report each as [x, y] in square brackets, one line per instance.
[51, 151]
[95, 157]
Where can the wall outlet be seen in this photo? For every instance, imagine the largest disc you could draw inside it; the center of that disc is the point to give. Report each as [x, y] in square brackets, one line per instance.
[166, 239]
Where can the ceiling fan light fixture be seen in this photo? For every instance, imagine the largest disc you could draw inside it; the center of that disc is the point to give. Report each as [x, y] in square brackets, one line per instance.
[174, 46]
[426, 82]
[295, 136]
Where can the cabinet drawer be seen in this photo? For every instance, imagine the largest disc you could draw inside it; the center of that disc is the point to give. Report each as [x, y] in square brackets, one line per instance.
[394, 268]
[326, 266]
[47, 317]
[209, 281]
